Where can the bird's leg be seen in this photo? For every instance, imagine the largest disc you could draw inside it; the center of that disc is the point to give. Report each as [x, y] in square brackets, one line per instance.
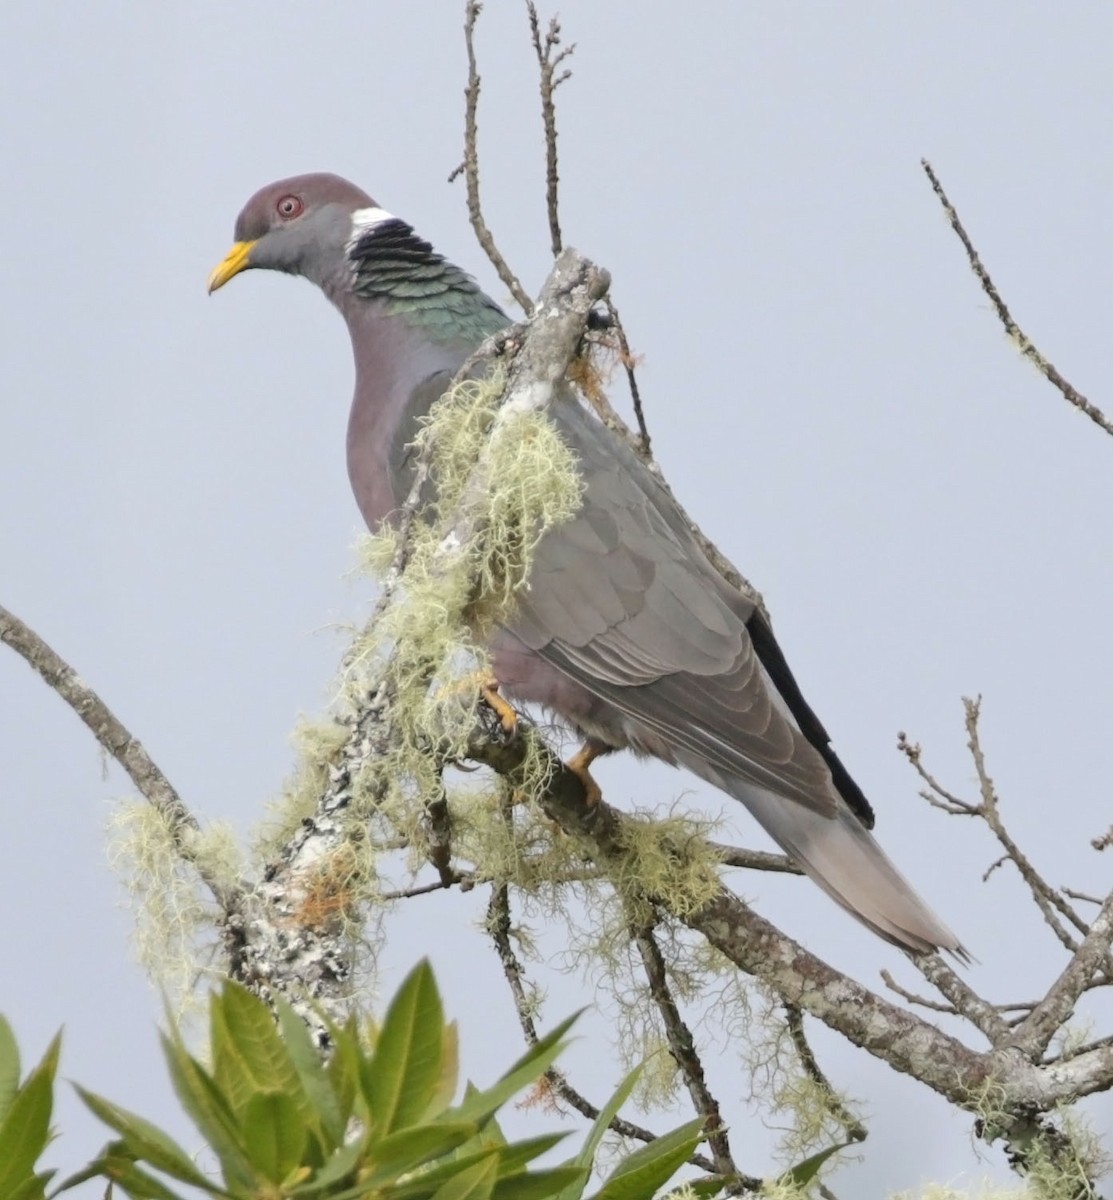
[489, 694]
[579, 765]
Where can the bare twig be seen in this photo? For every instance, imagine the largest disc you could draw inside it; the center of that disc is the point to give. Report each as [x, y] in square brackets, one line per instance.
[464, 879]
[936, 793]
[1050, 902]
[469, 168]
[550, 55]
[644, 445]
[794, 1018]
[1034, 1034]
[755, 860]
[914, 998]
[682, 1047]
[980, 1013]
[1023, 1008]
[1027, 348]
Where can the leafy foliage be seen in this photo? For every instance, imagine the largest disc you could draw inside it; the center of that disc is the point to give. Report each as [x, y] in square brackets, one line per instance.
[377, 1118]
[25, 1110]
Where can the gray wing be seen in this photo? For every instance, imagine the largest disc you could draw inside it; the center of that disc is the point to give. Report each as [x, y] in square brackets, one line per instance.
[623, 600]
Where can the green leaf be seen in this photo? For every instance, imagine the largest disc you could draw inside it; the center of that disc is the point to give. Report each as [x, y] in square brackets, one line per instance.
[410, 1148]
[274, 1135]
[210, 1112]
[534, 1063]
[309, 1064]
[248, 1054]
[144, 1140]
[607, 1114]
[449, 1075]
[342, 1163]
[343, 1068]
[128, 1175]
[537, 1185]
[9, 1067]
[705, 1188]
[472, 1183]
[33, 1189]
[640, 1174]
[509, 1158]
[515, 1155]
[402, 1077]
[804, 1172]
[25, 1129]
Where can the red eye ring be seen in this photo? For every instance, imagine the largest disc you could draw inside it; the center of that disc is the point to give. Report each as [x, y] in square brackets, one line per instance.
[289, 207]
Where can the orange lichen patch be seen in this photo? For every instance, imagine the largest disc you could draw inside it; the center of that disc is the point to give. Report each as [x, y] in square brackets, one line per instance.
[331, 892]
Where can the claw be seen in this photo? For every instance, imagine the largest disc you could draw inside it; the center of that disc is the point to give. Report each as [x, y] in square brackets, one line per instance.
[579, 765]
[508, 718]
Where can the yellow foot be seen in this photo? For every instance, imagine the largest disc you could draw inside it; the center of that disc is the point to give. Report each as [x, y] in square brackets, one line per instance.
[489, 693]
[579, 765]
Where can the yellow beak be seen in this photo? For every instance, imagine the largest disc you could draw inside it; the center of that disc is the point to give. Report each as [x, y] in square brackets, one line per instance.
[236, 260]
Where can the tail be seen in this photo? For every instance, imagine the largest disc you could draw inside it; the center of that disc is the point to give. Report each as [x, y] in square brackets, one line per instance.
[841, 855]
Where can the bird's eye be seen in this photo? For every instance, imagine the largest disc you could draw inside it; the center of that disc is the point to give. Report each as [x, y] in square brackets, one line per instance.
[289, 207]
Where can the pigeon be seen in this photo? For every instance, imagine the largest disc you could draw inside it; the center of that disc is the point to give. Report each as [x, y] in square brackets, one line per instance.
[626, 631]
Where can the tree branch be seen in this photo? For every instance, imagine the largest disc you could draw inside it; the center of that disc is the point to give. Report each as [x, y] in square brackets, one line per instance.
[469, 168]
[682, 1047]
[118, 742]
[498, 926]
[550, 55]
[1023, 343]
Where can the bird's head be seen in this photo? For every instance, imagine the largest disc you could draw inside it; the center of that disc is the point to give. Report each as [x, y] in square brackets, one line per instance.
[300, 225]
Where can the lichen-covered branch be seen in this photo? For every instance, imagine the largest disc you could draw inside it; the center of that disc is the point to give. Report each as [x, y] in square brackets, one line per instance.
[122, 746]
[498, 926]
[794, 1017]
[682, 1046]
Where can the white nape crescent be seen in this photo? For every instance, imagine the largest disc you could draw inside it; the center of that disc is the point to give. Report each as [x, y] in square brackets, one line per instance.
[366, 219]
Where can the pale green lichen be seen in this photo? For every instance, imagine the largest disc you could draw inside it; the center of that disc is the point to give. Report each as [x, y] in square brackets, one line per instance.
[502, 480]
[1060, 1155]
[317, 743]
[174, 924]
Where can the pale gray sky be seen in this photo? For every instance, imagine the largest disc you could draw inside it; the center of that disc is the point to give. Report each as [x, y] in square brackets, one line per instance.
[828, 390]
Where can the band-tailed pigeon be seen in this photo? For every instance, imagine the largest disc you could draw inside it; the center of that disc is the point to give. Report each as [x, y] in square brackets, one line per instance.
[626, 631]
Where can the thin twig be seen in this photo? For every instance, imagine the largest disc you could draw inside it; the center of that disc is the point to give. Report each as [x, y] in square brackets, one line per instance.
[1016, 334]
[1021, 1007]
[794, 1018]
[754, 860]
[469, 168]
[915, 998]
[936, 794]
[498, 926]
[1049, 901]
[979, 1012]
[629, 363]
[550, 55]
[465, 880]
[682, 1047]
[1034, 1034]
